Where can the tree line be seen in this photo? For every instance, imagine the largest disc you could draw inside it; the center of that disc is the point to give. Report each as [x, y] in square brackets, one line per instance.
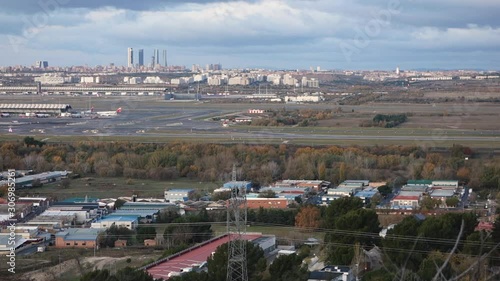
[263, 164]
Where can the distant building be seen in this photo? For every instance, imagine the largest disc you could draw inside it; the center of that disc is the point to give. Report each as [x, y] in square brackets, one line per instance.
[178, 194]
[52, 79]
[141, 57]
[41, 64]
[130, 57]
[129, 222]
[268, 203]
[77, 238]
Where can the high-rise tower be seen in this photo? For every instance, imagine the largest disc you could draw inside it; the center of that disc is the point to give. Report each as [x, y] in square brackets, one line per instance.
[157, 56]
[130, 57]
[141, 57]
[164, 58]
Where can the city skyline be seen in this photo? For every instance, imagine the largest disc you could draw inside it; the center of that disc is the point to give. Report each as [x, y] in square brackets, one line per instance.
[257, 34]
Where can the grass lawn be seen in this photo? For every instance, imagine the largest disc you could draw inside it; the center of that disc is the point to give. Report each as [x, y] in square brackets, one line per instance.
[282, 233]
[115, 187]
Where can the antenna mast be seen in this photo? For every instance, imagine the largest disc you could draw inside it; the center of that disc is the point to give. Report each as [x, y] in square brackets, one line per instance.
[236, 229]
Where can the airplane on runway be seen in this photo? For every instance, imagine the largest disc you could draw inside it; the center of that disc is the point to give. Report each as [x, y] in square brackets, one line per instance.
[109, 113]
[102, 113]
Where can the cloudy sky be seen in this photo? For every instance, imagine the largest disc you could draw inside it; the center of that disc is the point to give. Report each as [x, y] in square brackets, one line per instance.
[333, 34]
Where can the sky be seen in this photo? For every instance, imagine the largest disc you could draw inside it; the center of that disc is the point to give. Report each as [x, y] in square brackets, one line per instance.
[275, 34]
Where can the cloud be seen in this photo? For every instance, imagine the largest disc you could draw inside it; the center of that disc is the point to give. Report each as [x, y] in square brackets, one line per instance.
[285, 33]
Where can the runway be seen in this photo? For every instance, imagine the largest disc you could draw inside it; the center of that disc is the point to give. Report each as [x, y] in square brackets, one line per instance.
[159, 119]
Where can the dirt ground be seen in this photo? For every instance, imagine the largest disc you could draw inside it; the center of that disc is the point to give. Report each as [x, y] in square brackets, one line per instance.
[71, 268]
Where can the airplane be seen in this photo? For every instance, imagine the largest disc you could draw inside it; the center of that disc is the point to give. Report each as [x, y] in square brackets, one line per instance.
[5, 115]
[109, 113]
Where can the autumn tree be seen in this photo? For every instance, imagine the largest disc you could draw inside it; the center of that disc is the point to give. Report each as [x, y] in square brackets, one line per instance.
[308, 218]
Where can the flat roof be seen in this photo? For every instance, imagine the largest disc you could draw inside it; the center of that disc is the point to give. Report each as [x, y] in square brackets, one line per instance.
[118, 218]
[180, 190]
[198, 256]
[79, 233]
[442, 193]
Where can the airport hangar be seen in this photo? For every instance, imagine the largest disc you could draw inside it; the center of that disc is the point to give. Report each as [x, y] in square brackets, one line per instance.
[34, 108]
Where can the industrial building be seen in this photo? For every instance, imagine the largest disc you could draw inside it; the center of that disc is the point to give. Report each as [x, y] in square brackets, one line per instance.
[77, 238]
[55, 109]
[178, 195]
[129, 222]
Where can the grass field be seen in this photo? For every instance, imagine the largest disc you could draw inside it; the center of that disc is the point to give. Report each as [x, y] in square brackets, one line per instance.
[115, 187]
[282, 233]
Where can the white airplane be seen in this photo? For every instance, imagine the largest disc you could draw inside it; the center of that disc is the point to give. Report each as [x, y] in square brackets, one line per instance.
[109, 113]
[5, 115]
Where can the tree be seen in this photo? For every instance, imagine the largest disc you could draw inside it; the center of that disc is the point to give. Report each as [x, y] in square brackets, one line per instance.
[108, 238]
[119, 203]
[308, 218]
[352, 228]
[452, 202]
[267, 194]
[256, 262]
[384, 190]
[145, 232]
[429, 203]
[341, 207]
[288, 267]
[224, 195]
[495, 234]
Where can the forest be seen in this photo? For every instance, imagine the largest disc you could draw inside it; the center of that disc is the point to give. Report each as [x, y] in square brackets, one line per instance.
[262, 164]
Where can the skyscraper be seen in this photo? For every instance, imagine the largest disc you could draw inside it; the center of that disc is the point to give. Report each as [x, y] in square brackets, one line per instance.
[165, 58]
[130, 57]
[157, 56]
[141, 57]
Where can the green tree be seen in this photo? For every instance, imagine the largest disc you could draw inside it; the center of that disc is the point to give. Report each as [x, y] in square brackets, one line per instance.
[288, 267]
[430, 266]
[341, 207]
[145, 232]
[108, 238]
[267, 194]
[357, 226]
[384, 190]
[256, 262]
[452, 202]
[401, 244]
[119, 203]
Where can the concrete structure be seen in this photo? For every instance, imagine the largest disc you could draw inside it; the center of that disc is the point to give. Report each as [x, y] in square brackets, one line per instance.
[77, 238]
[178, 194]
[129, 222]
